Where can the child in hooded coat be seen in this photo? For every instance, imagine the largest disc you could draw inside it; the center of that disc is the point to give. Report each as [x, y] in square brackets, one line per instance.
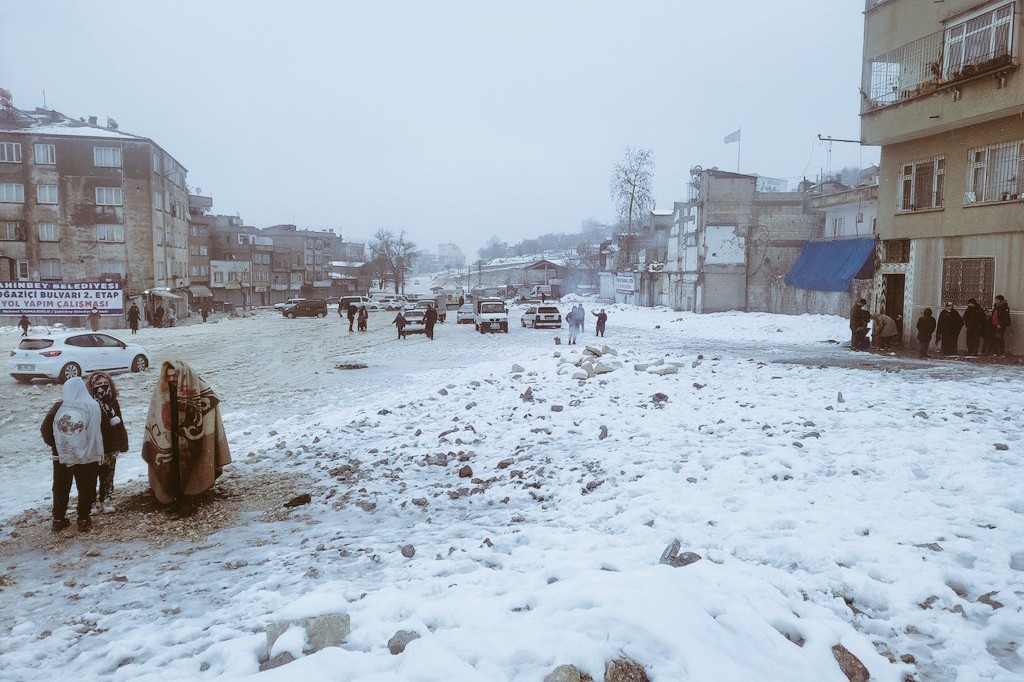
[115, 437]
[72, 430]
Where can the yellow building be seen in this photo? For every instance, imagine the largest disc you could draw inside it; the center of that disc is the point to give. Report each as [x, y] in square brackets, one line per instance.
[942, 93]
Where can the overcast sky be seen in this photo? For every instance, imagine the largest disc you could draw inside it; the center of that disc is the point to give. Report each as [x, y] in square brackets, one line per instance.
[453, 121]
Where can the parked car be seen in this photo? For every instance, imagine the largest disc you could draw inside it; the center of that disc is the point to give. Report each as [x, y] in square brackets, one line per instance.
[395, 303]
[464, 315]
[415, 322]
[541, 316]
[364, 301]
[313, 307]
[65, 355]
[290, 301]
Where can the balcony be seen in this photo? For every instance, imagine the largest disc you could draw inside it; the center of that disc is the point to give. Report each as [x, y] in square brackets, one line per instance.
[970, 49]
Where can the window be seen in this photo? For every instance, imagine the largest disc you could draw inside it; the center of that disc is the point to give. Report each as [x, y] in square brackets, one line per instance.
[49, 269]
[109, 196]
[107, 157]
[23, 269]
[112, 267]
[46, 194]
[110, 233]
[10, 152]
[896, 250]
[156, 161]
[921, 185]
[46, 154]
[218, 277]
[12, 193]
[49, 232]
[978, 42]
[838, 225]
[964, 278]
[996, 173]
[158, 200]
[11, 232]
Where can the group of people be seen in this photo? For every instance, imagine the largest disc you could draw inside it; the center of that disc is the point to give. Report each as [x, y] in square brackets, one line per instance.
[985, 332]
[184, 444]
[85, 433]
[356, 315]
[574, 322]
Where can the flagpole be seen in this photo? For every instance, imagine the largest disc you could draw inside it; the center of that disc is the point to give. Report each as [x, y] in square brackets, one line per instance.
[739, 147]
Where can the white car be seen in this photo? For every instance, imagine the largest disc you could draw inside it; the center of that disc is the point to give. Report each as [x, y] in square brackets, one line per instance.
[65, 355]
[464, 315]
[415, 322]
[289, 302]
[541, 316]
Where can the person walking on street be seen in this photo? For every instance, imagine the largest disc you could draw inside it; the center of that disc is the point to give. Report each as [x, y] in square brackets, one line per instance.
[94, 319]
[133, 318]
[925, 329]
[602, 318]
[115, 437]
[205, 312]
[947, 329]
[974, 325]
[886, 331]
[23, 323]
[351, 312]
[72, 430]
[399, 322]
[1000, 325]
[429, 320]
[363, 315]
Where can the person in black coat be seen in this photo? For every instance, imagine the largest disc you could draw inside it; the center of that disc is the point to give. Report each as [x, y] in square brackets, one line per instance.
[115, 436]
[133, 318]
[925, 329]
[429, 320]
[947, 329]
[859, 317]
[351, 314]
[974, 325]
[1000, 325]
[23, 323]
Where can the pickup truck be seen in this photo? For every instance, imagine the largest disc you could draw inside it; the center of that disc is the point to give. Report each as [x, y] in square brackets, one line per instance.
[490, 315]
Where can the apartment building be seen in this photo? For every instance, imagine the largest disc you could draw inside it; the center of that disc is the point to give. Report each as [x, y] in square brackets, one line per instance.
[943, 95]
[84, 202]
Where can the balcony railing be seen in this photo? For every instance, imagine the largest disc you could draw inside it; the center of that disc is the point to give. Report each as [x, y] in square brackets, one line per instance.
[960, 52]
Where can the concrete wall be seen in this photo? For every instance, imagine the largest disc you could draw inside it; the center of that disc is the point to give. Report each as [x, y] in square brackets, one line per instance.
[792, 301]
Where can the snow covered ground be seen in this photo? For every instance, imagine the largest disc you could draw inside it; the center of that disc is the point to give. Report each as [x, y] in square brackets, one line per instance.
[885, 519]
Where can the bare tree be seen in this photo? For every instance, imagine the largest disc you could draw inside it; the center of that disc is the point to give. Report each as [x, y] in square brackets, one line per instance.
[394, 254]
[631, 189]
[495, 248]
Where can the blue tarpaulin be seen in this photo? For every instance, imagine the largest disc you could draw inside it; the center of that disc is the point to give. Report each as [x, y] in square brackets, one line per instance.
[830, 265]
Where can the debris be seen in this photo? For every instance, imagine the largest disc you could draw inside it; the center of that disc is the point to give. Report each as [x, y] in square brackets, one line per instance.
[299, 500]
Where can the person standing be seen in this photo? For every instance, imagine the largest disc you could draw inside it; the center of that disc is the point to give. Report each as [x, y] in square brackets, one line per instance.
[23, 323]
[363, 315]
[974, 325]
[570, 322]
[133, 318]
[947, 329]
[172, 317]
[857, 320]
[429, 320]
[925, 329]
[205, 311]
[602, 318]
[94, 319]
[398, 322]
[581, 316]
[158, 316]
[114, 435]
[351, 312]
[72, 430]
[1000, 325]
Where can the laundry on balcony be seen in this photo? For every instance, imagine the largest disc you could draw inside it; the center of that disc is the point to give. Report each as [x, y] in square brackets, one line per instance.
[831, 265]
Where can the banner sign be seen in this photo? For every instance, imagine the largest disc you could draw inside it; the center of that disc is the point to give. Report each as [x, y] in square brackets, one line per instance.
[61, 298]
[624, 283]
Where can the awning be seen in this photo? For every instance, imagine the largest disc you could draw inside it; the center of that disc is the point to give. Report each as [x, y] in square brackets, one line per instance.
[232, 285]
[162, 293]
[830, 265]
[199, 291]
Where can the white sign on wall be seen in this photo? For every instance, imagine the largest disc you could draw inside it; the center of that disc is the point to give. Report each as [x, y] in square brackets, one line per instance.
[624, 283]
[61, 298]
[725, 246]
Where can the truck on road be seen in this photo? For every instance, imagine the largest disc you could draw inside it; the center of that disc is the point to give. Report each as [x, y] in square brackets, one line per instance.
[490, 315]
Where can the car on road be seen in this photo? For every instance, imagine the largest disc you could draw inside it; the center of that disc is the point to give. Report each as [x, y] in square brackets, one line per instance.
[313, 307]
[360, 301]
[64, 355]
[415, 320]
[395, 303]
[490, 315]
[464, 315]
[541, 316]
[285, 304]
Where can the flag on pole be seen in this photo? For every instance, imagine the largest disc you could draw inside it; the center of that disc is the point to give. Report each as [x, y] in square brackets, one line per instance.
[732, 137]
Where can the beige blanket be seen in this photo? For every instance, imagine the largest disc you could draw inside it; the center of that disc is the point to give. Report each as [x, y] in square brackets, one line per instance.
[202, 445]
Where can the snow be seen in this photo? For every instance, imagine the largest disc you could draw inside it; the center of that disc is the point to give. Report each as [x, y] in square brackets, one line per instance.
[877, 520]
[80, 130]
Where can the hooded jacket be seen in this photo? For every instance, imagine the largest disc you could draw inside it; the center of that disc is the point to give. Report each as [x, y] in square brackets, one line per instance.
[72, 426]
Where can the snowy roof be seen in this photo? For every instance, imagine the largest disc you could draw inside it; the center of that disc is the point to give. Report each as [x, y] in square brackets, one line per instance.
[347, 264]
[73, 130]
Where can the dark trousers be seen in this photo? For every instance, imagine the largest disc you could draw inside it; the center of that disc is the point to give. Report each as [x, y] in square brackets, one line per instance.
[973, 339]
[429, 329]
[922, 347]
[999, 342]
[350, 321]
[600, 329]
[84, 476]
[106, 475]
[949, 345]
